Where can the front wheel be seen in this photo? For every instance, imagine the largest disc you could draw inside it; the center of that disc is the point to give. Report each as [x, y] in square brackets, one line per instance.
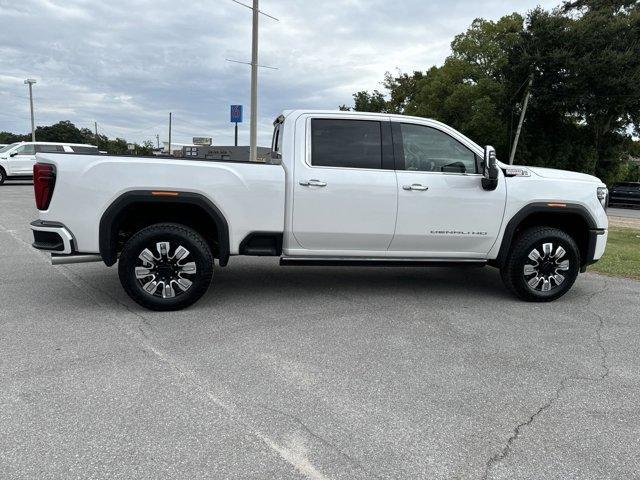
[166, 267]
[542, 265]
[3, 176]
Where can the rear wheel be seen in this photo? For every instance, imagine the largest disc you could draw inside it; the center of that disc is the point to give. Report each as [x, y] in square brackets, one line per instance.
[543, 264]
[166, 267]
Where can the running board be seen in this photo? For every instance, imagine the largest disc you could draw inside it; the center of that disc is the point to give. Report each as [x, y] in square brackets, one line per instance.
[377, 262]
[78, 258]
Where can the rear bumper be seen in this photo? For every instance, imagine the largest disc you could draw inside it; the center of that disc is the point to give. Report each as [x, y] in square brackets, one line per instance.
[52, 237]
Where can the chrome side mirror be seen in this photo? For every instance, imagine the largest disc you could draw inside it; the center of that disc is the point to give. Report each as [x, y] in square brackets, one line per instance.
[490, 169]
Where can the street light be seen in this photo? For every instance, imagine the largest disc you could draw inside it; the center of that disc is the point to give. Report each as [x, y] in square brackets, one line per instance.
[30, 82]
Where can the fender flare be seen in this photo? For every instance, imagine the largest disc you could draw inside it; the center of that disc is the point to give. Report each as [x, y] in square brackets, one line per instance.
[539, 207]
[108, 238]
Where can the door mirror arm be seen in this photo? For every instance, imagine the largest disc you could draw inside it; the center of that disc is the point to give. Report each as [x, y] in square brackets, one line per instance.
[490, 169]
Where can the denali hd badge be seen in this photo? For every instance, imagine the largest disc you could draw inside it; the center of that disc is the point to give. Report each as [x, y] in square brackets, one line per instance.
[516, 172]
[458, 233]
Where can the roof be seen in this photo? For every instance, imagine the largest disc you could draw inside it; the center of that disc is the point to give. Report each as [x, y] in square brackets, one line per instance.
[58, 143]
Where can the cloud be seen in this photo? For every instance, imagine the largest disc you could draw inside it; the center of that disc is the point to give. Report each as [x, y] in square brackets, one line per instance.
[126, 64]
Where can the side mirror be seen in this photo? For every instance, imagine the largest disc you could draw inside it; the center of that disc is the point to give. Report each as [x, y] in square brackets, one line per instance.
[490, 170]
[13, 154]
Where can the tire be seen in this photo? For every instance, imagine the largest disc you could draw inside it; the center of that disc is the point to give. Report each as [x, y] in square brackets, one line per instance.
[3, 176]
[166, 267]
[549, 276]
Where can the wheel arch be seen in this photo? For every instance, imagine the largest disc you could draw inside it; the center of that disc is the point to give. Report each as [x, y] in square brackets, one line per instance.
[574, 219]
[140, 208]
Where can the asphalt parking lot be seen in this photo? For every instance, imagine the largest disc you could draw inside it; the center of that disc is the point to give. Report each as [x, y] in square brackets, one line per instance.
[311, 373]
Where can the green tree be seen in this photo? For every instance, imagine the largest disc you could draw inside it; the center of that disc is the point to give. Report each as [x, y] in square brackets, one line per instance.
[585, 61]
[65, 131]
[466, 92]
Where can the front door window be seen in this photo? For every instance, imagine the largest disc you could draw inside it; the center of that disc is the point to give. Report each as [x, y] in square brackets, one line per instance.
[429, 150]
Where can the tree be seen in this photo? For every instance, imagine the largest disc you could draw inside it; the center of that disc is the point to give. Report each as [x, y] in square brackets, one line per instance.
[467, 92]
[585, 62]
[65, 131]
[370, 102]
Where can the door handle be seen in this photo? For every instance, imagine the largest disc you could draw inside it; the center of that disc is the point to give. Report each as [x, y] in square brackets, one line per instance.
[415, 186]
[313, 183]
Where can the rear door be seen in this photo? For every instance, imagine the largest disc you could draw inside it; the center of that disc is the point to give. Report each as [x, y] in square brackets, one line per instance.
[345, 189]
[21, 163]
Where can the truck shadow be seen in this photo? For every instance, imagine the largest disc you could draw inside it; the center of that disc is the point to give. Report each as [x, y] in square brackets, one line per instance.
[256, 279]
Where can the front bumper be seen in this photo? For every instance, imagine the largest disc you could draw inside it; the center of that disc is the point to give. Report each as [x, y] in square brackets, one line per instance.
[52, 237]
[596, 246]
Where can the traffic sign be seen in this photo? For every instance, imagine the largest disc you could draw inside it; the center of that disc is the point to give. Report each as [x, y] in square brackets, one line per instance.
[236, 113]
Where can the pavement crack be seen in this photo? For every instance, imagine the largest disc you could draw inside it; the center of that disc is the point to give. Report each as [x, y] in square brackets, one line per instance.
[356, 463]
[517, 431]
[604, 355]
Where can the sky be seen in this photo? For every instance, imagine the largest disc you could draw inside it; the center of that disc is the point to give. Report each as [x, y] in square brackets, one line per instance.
[126, 64]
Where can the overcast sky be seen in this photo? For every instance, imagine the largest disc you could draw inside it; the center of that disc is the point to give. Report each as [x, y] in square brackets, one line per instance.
[127, 63]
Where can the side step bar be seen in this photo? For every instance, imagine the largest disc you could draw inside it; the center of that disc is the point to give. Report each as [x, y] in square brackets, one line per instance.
[68, 259]
[377, 262]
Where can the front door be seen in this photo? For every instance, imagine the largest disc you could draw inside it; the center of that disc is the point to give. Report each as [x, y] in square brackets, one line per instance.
[22, 160]
[443, 211]
[345, 202]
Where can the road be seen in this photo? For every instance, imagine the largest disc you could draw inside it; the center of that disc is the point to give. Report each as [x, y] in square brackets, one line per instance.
[624, 212]
[285, 373]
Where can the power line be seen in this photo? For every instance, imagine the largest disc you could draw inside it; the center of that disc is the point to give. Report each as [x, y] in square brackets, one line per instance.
[259, 11]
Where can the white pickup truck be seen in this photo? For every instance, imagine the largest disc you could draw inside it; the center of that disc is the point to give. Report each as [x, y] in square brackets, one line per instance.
[341, 188]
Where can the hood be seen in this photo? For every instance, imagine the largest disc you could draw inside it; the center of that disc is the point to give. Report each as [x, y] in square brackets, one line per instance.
[564, 175]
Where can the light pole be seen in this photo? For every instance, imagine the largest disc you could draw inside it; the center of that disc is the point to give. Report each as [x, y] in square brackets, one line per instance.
[253, 128]
[30, 82]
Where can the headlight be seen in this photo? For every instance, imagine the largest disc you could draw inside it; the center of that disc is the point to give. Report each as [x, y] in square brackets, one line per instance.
[602, 195]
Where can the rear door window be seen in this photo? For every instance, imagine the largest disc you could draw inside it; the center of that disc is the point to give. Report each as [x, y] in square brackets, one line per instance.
[77, 149]
[346, 143]
[49, 148]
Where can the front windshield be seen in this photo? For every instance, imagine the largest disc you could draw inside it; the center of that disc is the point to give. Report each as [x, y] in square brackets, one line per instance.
[8, 147]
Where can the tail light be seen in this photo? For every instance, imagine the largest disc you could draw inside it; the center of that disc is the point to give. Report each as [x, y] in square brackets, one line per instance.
[44, 179]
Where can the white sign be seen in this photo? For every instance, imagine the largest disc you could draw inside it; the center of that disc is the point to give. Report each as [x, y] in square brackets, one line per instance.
[203, 141]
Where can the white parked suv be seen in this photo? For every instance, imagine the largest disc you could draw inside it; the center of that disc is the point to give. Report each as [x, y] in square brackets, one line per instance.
[342, 188]
[17, 160]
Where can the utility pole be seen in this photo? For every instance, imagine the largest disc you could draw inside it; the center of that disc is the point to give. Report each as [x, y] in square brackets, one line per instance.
[169, 133]
[158, 140]
[95, 124]
[253, 136]
[253, 127]
[30, 82]
[522, 115]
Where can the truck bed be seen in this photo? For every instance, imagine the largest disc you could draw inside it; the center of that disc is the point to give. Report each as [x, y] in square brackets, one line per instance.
[252, 194]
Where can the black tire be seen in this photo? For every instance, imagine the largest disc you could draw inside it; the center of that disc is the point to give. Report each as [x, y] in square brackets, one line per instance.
[170, 269]
[3, 176]
[520, 270]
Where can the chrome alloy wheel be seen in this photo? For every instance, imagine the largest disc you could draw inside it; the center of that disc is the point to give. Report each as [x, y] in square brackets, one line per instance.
[542, 271]
[166, 274]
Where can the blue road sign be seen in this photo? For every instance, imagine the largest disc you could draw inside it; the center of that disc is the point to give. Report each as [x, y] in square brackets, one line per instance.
[236, 113]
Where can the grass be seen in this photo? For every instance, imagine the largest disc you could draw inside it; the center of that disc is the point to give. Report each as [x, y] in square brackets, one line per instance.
[622, 256]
